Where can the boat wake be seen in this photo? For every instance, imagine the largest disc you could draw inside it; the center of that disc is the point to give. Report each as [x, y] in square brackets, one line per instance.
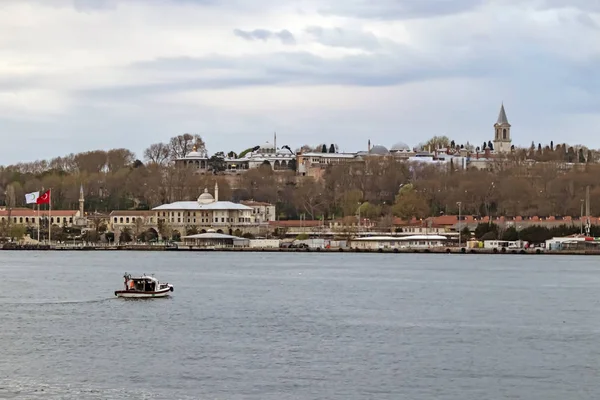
[52, 301]
[33, 390]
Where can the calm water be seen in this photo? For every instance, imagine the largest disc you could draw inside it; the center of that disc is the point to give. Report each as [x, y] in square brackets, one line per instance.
[300, 326]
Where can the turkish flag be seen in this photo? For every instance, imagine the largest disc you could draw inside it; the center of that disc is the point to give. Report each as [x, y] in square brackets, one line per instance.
[44, 198]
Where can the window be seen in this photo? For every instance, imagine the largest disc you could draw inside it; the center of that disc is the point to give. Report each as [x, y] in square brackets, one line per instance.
[21, 220]
[115, 220]
[71, 220]
[222, 219]
[178, 219]
[127, 219]
[216, 219]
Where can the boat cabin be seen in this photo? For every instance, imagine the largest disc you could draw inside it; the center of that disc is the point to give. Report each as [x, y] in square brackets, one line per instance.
[141, 284]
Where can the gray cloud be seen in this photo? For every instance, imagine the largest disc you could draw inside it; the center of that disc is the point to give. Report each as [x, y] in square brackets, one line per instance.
[399, 9]
[338, 37]
[284, 35]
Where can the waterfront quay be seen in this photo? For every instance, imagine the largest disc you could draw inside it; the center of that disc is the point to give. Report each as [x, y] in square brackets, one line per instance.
[184, 248]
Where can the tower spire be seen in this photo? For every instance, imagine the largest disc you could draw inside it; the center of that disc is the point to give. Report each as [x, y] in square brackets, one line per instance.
[502, 120]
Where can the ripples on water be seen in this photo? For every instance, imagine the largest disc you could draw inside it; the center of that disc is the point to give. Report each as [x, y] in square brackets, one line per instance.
[300, 326]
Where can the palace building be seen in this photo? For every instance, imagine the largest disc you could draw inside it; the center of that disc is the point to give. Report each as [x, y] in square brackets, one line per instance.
[208, 212]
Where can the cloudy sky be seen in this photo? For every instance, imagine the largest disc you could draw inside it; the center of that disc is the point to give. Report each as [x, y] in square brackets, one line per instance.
[77, 75]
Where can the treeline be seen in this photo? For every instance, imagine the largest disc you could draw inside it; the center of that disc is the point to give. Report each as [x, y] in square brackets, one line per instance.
[378, 188]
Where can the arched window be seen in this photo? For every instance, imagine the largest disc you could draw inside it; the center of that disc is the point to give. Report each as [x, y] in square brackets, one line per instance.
[504, 134]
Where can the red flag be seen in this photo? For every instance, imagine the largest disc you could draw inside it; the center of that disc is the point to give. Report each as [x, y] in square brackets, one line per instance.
[44, 198]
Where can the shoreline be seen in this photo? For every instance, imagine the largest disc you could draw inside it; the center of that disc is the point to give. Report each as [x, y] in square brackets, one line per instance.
[436, 250]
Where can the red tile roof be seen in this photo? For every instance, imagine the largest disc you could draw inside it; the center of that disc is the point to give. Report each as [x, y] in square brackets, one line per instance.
[296, 223]
[131, 213]
[27, 212]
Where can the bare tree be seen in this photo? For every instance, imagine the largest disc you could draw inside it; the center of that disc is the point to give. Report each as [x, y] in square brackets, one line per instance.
[157, 153]
[181, 145]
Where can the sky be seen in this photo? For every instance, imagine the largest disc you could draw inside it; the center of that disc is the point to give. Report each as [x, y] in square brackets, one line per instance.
[80, 75]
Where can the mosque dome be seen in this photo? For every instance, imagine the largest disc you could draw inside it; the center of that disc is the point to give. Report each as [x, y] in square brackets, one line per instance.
[206, 198]
[400, 146]
[379, 150]
[268, 146]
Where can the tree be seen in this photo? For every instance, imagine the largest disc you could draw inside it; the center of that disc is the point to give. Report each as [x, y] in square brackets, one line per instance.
[324, 148]
[157, 153]
[139, 227]
[125, 236]
[409, 203]
[309, 197]
[91, 236]
[437, 142]
[490, 145]
[465, 234]
[484, 228]
[181, 145]
[581, 156]
[17, 231]
[332, 148]
[91, 162]
[118, 159]
[590, 157]
[510, 234]
[164, 228]
[217, 162]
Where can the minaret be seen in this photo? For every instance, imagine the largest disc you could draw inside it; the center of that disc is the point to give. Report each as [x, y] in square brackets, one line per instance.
[502, 140]
[275, 141]
[81, 201]
[216, 191]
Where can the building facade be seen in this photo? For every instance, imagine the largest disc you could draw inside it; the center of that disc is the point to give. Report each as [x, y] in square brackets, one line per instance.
[131, 219]
[208, 212]
[261, 212]
[30, 217]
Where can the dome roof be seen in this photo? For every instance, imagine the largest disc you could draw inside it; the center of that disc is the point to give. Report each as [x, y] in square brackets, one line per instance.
[267, 146]
[379, 150]
[400, 146]
[194, 154]
[206, 197]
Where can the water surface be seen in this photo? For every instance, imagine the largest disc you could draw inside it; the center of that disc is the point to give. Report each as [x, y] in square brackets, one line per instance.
[300, 326]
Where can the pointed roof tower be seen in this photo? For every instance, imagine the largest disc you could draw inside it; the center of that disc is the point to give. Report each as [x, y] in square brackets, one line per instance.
[502, 120]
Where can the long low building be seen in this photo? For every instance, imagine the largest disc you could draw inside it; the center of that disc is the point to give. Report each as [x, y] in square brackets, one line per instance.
[392, 242]
[30, 217]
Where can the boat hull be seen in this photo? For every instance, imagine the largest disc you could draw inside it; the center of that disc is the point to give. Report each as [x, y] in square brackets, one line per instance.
[134, 294]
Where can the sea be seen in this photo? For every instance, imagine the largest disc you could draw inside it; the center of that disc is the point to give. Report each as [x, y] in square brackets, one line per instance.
[300, 326]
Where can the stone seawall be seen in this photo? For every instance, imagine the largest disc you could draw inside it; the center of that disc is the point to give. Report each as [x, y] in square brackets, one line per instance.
[436, 250]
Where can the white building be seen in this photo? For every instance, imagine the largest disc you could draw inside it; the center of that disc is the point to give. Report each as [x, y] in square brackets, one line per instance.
[267, 154]
[261, 212]
[194, 159]
[398, 242]
[208, 213]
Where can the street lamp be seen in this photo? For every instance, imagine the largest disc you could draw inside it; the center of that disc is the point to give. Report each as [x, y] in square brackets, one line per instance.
[581, 218]
[458, 203]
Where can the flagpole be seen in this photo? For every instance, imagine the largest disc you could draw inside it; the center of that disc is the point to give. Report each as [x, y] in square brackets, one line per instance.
[38, 222]
[49, 215]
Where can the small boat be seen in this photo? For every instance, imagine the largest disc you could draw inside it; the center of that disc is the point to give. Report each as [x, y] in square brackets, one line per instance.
[144, 287]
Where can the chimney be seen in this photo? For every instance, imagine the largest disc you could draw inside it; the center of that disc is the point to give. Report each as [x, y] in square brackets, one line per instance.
[216, 191]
